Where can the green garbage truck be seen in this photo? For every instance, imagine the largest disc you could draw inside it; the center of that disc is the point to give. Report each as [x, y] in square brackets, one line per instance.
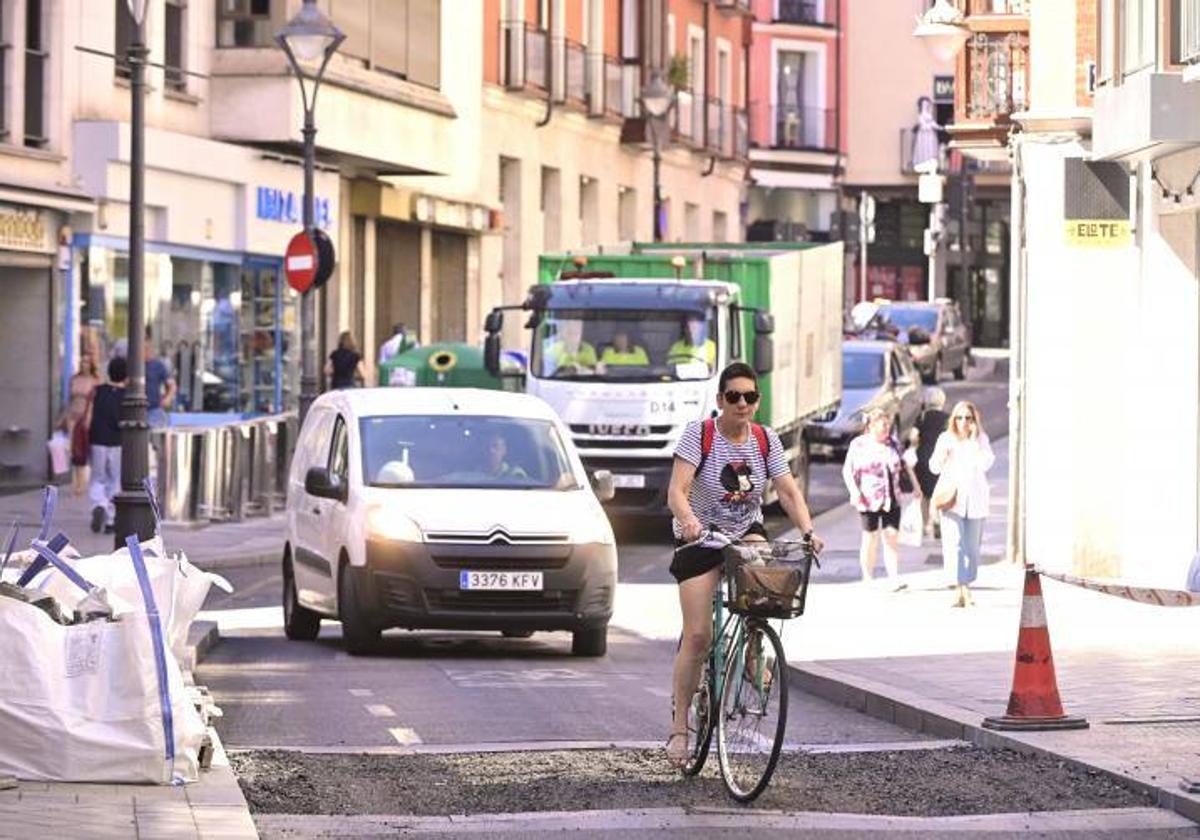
[627, 348]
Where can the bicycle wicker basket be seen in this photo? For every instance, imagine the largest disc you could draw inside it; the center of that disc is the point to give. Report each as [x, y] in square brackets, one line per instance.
[772, 590]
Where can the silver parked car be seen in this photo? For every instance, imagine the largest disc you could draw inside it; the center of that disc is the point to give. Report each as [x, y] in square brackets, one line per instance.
[875, 374]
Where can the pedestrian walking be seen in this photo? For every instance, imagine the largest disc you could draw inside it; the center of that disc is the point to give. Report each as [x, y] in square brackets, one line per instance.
[345, 365]
[160, 385]
[397, 344]
[80, 387]
[872, 475]
[930, 425]
[104, 437]
[962, 457]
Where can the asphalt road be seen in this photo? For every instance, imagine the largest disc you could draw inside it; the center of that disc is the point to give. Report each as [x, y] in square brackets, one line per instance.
[471, 689]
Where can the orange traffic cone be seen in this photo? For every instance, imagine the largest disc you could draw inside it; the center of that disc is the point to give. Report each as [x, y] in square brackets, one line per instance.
[1034, 702]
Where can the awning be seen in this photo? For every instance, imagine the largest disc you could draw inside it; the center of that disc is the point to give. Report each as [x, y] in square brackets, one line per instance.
[783, 179]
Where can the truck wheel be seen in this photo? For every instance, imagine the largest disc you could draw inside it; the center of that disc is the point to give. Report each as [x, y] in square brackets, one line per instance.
[960, 372]
[359, 637]
[300, 624]
[592, 641]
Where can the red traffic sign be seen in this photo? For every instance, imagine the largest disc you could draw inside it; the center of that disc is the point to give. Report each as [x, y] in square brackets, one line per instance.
[300, 262]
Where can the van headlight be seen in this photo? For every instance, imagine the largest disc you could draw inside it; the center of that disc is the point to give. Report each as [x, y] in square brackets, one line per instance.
[391, 525]
[592, 528]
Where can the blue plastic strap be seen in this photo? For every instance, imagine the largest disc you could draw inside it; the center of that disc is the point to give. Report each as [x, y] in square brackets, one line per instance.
[49, 503]
[160, 650]
[55, 545]
[149, 484]
[50, 555]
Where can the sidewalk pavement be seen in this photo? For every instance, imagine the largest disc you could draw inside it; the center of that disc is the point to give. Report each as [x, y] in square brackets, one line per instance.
[250, 542]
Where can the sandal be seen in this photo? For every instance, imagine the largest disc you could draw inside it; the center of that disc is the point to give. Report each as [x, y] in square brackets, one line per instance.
[677, 749]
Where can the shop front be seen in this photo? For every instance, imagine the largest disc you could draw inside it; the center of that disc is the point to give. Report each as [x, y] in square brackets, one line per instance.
[31, 371]
[220, 312]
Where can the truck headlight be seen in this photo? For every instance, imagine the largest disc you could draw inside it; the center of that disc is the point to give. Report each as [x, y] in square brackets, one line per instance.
[592, 528]
[391, 525]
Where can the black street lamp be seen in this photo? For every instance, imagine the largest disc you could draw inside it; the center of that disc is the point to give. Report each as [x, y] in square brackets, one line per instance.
[133, 512]
[307, 38]
[657, 101]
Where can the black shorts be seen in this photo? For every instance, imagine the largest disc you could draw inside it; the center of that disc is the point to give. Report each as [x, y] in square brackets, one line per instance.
[695, 561]
[872, 519]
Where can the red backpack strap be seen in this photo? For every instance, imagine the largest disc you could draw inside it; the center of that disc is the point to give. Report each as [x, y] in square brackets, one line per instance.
[708, 430]
[764, 442]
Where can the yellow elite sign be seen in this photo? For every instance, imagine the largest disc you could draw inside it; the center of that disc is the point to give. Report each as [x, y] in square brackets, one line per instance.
[1098, 233]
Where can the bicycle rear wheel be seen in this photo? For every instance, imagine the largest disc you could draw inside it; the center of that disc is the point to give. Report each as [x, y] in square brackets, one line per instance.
[753, 711]
[700, 723]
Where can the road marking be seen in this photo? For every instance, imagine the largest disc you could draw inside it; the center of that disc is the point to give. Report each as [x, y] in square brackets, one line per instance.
[380, 710]
[405, 736]
[361, 692]
[523, 678]
[658, 692]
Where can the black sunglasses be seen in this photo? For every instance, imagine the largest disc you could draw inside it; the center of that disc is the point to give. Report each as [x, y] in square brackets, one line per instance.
[733, 397]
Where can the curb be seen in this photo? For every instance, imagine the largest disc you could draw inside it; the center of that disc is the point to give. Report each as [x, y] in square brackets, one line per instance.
[250, 559]
[919, 714]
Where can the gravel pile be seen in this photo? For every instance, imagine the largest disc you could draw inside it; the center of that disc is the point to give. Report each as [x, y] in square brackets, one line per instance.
[942, 782]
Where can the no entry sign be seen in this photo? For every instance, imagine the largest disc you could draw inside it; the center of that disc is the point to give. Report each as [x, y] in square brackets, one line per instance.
[300, 262]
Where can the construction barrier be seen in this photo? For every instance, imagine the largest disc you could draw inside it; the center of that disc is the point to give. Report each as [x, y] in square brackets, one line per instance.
[1140, 594]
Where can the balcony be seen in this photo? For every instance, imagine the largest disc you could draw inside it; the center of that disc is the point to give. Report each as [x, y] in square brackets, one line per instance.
[806, 12]
[997, 76]
[1189, 31]
[577, 73]
[688, 119]
[622, 85]
[727, 132]
[794, 128]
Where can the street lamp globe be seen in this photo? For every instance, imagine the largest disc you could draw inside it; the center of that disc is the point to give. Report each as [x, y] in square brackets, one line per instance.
[941, 30]
[657, 98]
[137, 10]
[309, 36]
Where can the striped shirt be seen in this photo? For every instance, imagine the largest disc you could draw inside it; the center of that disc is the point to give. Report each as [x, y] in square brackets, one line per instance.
[727, 492]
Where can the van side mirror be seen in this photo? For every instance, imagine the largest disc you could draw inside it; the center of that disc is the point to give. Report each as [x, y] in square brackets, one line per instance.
[604, 485]
[764, 322]
[764, 354]
[319, 482]
[491, 353]
[494, 322]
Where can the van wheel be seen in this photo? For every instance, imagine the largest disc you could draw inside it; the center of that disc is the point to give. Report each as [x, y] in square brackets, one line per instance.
[359, 637]
[590, 642]
[300, 624]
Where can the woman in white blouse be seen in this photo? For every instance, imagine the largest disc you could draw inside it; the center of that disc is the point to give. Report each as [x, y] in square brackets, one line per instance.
[964, 454]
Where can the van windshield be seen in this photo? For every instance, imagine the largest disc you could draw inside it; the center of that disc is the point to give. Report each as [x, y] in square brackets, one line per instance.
[464, 452]
[624, 345]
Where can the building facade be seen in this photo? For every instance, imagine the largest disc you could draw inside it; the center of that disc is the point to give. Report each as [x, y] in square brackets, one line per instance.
[565, 148]
[1107, 292]
[796, 118]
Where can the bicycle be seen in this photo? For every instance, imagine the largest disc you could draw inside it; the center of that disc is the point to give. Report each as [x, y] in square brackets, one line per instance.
[744, 673]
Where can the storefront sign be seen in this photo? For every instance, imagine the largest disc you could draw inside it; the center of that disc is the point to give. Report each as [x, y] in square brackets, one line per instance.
[24, 230]
[1096, 203]
[943, 90]
[1098, 233]
[274, 205]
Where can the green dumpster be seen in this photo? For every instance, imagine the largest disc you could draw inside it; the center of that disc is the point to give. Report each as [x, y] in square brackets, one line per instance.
[450, 364]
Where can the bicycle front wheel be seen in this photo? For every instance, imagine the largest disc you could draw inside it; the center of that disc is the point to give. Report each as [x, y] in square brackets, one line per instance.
[753, 711]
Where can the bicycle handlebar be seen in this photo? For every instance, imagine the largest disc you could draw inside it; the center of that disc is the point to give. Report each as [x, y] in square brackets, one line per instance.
[767, 550]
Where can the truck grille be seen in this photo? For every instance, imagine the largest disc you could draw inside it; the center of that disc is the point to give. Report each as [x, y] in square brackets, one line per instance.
[619, 443]
[586, 430]
[496, 536]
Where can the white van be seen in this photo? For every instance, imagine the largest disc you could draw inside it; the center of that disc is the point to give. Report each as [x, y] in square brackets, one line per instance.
[448, 508]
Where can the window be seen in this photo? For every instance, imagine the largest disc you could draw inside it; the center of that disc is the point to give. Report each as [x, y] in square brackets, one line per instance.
[1187, 28]
[245, 23]
[3, 80]
[401, 37]
[1104, 56]
[175, 27]
[1139, 36]
[36, 64]
[339, 453]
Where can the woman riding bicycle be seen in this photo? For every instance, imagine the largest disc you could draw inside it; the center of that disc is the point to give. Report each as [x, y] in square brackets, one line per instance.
[717, 482]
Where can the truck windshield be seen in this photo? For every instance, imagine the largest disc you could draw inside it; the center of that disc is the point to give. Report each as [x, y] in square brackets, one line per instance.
[624, 345]
[458, 451]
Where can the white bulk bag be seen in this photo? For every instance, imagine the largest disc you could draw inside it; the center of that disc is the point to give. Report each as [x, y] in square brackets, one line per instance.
[97, 702]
